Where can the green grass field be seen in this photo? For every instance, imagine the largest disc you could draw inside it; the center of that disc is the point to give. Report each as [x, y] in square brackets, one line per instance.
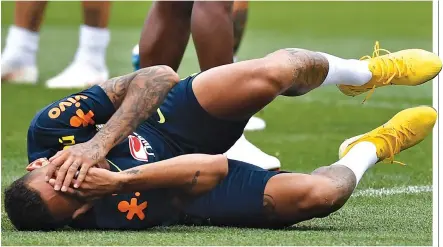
[303, 132]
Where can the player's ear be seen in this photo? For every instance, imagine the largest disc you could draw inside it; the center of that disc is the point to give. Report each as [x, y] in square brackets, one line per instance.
[83, 209]
[37, 164]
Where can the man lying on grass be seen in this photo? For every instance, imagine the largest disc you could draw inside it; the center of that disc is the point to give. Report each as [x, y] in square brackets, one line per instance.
[157, 158]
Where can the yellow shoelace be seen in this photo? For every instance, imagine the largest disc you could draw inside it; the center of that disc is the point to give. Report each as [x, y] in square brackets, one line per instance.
[399, 135]
[401, 68]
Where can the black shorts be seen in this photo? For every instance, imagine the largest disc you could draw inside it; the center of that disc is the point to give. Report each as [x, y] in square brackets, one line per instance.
[190, 128]
[236, 201]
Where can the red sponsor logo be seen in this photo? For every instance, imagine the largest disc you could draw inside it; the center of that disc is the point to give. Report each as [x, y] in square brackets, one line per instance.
[137, 149]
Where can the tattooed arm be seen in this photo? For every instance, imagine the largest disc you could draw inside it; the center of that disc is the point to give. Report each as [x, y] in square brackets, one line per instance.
[193, 174]
[135, 96]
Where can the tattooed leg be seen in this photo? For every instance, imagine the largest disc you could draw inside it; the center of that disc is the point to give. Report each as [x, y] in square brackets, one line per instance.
[257, 82]
[309, 70]
[293, 197]
[314, 69]
[298, 197]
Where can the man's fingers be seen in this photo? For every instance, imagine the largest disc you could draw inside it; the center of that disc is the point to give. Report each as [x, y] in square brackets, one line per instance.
[56, 155]
[53, 166]
[81, 175]
[51, 182]
[61, 174]
[92, 173]
[74, 181]
[69, 191]
[50, 172]
[70, 174]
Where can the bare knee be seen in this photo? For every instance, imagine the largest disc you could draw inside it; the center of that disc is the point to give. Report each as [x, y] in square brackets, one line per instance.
[323, 199]
[275, 74]
[213, 7]
[276, 70]
[272, 72]
[297, 71]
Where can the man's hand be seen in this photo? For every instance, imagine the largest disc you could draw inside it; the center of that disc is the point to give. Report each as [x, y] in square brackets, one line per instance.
[81, 156]
[98, 183]
[193, 174]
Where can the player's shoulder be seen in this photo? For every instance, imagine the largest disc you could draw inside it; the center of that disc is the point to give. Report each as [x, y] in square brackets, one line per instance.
[80, 109]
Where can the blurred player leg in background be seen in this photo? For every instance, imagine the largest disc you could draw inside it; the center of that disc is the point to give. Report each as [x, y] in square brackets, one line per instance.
[240, 17]
[19, 55]
[89, 65]
[213, 33]
[165, 34]
[164, 38]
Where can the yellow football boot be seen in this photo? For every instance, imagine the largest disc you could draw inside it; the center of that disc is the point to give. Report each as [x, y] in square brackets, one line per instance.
[407, 67]
[406, 129]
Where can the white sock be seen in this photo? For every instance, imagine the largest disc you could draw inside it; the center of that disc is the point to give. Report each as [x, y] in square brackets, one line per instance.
[92, 46]
[346, 71]
[21, 46]
[360, 158]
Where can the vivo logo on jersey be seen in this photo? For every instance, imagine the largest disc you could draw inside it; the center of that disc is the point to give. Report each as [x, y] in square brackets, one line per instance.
[139, 147]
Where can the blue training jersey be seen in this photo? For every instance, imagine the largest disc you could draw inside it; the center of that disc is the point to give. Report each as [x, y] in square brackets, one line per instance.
[76, 119]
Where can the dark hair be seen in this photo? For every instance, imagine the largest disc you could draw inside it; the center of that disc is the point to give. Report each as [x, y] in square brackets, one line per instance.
[26, 209]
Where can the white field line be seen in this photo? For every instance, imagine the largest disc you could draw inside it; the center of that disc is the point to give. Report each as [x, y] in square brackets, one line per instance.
[393, 191]
[372, 104]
